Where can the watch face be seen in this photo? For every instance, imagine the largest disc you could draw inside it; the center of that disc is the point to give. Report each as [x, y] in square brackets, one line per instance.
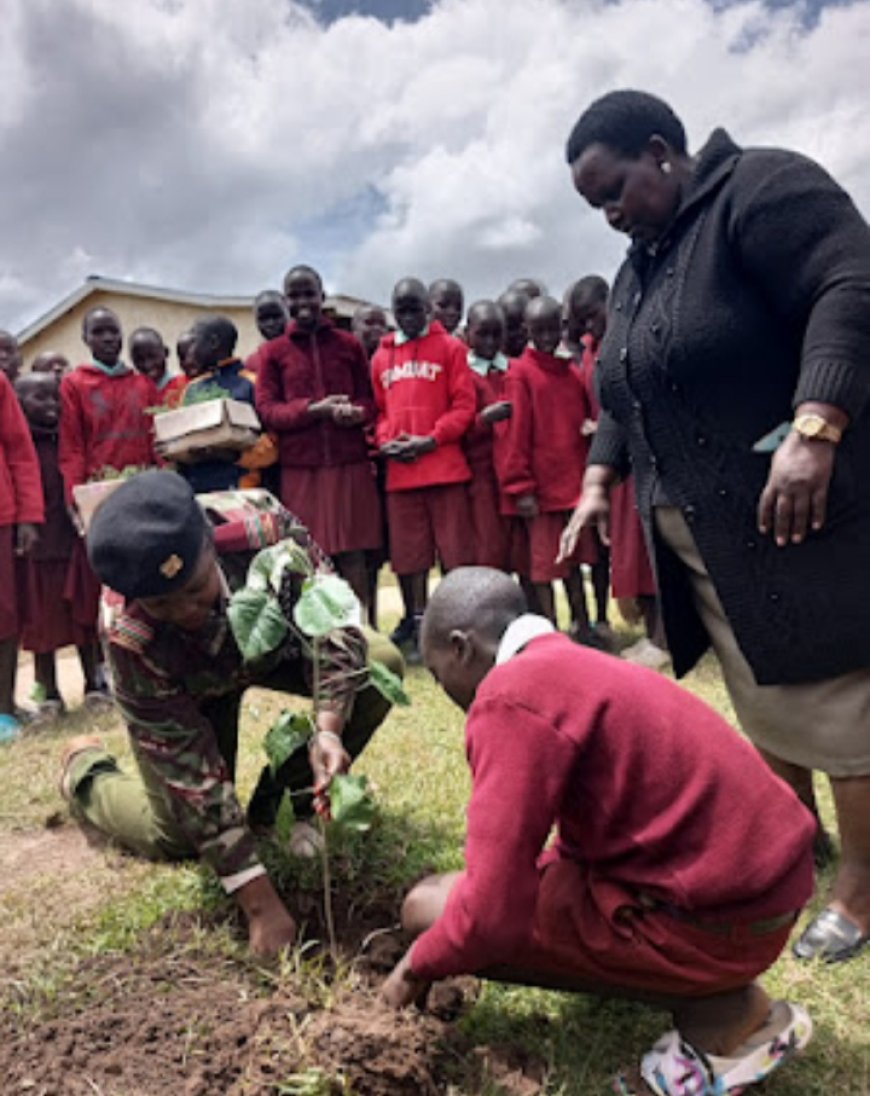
[813, 426]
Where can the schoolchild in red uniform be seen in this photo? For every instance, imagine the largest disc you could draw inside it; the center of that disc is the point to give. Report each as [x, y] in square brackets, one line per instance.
[513, 308]
[577, 341]
[149, 356]
[47, 620]
[10, 356]
[103, 419]
[271, 317]
[369, 325]
[314, 392]
[104, 424]
[426, 403]
[545, 457]
[21, 513]
[631, 577]
[680, 862]
[448, 303]
[489, 370]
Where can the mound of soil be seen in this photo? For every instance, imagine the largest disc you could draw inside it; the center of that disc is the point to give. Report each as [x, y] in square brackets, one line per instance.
[173, 1019]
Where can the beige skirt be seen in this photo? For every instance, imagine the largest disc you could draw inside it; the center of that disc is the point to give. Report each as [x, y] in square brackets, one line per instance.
[821, 725]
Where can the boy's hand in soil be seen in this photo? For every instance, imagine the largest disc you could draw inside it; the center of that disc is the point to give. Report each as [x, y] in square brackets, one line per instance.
[527, 506]
[270, 926]
[403, 987]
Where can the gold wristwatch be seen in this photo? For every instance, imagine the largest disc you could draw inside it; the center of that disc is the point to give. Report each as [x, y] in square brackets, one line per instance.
[816, 428]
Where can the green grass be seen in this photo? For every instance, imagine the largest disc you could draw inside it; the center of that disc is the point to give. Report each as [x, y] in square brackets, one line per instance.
[417, 767]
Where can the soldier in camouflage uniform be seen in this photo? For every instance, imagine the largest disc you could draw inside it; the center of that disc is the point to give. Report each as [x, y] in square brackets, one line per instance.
[178, 678]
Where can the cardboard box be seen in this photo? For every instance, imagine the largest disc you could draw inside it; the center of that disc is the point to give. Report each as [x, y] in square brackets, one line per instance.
[220, 424]
[89, 496]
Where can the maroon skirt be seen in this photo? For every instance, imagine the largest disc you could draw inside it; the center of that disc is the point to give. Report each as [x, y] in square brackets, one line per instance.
[47, 619]
[631, 574]
[339, 505]
[8, 598]
[82, 589]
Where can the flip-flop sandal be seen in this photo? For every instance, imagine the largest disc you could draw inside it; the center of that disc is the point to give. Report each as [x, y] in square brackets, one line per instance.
[674, 1068]
[831, 936]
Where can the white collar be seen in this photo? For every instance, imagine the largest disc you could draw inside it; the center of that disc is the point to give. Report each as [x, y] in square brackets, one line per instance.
[520, 632]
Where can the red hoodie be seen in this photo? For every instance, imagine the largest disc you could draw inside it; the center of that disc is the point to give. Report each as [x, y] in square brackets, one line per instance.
[299, 368]
[543, 452]
[424, 387]
[646, 786]
[103, 423]
[20, 482]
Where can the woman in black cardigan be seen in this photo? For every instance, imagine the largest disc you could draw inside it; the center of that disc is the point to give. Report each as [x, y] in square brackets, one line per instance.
[735, 379]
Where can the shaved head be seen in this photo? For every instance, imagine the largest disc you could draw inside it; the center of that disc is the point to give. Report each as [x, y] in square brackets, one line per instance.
[472, 599]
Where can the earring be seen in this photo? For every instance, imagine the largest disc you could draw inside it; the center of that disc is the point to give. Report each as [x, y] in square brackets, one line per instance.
[665, 166]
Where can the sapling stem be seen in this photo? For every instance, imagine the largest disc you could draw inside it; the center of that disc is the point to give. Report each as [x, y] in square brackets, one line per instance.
[324, 848]
[327, 890]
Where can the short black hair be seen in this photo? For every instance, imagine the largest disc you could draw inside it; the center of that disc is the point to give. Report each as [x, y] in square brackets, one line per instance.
[220, 328]
[147, 333]
[592, 289]
[624, 121]
[302, 268]
[95, 311]
[271, 295]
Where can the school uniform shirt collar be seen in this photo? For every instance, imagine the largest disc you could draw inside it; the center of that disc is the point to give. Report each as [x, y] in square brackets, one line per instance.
[401, 338]
[519, 633]
[482, 366]
[116, 370]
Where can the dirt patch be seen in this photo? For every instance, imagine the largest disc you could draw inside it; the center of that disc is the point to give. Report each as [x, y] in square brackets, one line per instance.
[55, 850]
[177, 1018]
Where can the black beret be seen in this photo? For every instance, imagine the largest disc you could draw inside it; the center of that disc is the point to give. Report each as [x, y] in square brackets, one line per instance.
[146, 539]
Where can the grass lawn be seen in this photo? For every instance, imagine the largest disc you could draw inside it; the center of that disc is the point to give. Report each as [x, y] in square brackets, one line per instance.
[81, 925]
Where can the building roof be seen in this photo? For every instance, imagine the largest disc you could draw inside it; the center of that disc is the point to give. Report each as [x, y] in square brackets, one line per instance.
[95, 283]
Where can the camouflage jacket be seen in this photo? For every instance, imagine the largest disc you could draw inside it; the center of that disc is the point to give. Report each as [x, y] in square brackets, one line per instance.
[168, 684]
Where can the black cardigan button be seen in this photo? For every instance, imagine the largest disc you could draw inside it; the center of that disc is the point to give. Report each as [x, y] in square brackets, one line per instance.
[773, 596]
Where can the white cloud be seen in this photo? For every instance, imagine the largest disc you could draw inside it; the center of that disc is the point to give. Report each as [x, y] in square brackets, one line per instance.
[190, 142]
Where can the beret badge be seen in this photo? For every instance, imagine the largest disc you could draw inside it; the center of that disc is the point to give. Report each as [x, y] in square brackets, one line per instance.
[170, 567]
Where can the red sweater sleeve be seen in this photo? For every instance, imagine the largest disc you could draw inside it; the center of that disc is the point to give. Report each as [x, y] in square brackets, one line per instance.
[72, 459]
[520, 765]
[517, 477]
[20, 460]
[363, 395]
[382, 430]
[453, 424]
[276, 413]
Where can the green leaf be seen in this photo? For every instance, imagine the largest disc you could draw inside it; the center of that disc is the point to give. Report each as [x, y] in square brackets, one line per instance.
[350, 804]
[388, 684]
[257, 623]
[292, 730]
[327, 602]
[268, 566]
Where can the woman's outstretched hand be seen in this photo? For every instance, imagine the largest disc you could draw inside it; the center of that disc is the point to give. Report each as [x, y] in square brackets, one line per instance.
[592, 509]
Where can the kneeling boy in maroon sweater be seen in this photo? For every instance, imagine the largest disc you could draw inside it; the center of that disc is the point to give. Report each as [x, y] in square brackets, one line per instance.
[680, 863]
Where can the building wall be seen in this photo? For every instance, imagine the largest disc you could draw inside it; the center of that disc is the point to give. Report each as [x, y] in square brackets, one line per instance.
[171, 318]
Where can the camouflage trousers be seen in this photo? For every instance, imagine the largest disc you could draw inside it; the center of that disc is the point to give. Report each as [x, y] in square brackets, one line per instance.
[133, 809]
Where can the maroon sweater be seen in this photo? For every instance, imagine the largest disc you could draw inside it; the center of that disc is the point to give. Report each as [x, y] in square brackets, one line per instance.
[647, 786]
[299, 368]
[543, 451]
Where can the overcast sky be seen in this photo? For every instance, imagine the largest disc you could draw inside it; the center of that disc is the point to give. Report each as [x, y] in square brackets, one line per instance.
[211, 144]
